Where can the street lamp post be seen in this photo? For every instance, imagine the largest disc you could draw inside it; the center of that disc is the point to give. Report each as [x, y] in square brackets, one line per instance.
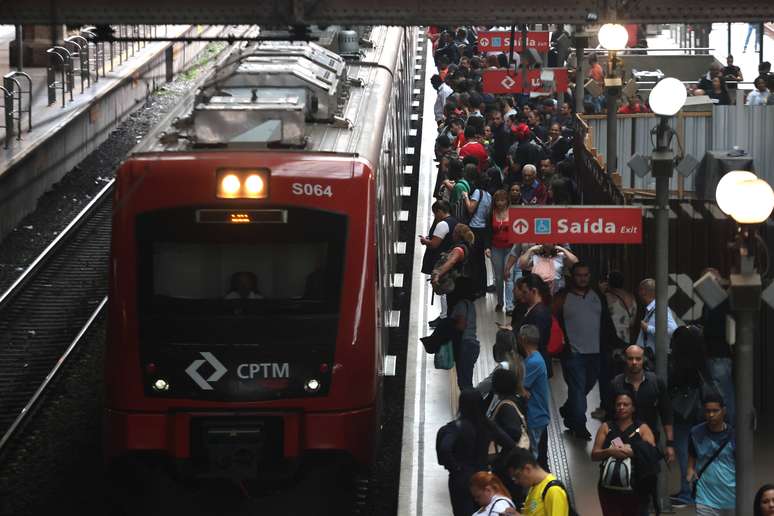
[666, 99]
[612, 37]
[749, 201]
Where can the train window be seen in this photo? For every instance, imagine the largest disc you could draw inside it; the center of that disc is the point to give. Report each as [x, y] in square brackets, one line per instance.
[240, 269]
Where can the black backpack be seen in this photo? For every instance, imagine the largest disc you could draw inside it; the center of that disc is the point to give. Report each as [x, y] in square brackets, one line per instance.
[443, 454]
[556, 482]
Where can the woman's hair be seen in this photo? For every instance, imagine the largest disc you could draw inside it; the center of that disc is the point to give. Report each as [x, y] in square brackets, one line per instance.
[471, 407]
[758, 497]
[615, 279]
[500, 195]
[509, 382]
[455, 169]
[484, 479]
[688, 351]
[464, 232]
[506, 348]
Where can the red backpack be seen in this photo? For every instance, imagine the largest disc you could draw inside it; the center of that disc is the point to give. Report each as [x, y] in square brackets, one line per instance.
[556, 339]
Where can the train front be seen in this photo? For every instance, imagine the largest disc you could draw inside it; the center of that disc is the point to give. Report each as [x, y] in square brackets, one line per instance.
[242, 310]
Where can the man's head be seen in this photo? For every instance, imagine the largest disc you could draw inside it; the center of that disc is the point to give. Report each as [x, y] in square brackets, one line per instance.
[764, 67]
[523, 468]
[529, 336]
[514, 193]
[547, 169]
[535, 288]
[528, 174]
[760, 84]
[533, 118]
[581, 275]
[715, 69]
[714, 409]
[520, 290]
[456, 125]
[566, 109]
[634, 355]
[730, 60]
[496, 118]
[647, 290]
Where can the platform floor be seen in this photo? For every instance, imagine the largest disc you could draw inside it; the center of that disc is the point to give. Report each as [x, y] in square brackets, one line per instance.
[431, 394]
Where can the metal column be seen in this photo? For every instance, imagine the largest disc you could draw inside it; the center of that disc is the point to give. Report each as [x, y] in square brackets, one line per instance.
[611, 158]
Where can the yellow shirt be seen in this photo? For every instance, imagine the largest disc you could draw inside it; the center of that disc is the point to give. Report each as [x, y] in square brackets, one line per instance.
[555, 502]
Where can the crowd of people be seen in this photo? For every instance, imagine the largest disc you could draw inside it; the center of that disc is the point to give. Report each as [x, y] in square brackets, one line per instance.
[499, 152]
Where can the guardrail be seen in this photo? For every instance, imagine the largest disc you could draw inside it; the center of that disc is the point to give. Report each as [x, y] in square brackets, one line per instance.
[595, 186]
[93, 55]
[13, 104]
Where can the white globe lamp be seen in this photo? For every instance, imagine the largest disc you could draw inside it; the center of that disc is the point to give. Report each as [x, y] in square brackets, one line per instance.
[667, 97]
[726, 192]
[753, 201]
[613, 36]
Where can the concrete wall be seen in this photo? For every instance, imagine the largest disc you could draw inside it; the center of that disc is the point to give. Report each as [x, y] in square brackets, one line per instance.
[27, 178]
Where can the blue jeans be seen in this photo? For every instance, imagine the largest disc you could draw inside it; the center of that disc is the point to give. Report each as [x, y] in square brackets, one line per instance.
[751, 27]
[535, 432]
[682, 434]
[580, 372]
[721, 371]
[498, 265]
[465, 356]
[510, 282]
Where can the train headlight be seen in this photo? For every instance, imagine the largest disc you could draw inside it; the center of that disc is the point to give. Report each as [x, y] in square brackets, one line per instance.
[230, 186]
[160, 385]
[242, 183]
[312, 385]
[254, 184]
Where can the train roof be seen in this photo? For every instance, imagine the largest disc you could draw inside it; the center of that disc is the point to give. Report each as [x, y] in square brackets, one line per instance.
[290, 95]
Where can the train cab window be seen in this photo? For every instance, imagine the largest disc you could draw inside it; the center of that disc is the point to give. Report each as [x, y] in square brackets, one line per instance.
[242, 269]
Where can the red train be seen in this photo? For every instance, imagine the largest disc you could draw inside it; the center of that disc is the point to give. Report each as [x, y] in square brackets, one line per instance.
[251, 256]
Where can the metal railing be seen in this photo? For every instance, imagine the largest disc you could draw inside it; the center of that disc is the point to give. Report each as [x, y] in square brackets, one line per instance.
[59, 60]
[93, 56]
[14, 104]
[595, 186]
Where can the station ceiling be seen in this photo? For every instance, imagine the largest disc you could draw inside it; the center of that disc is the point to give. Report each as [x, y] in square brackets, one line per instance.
[387, 12]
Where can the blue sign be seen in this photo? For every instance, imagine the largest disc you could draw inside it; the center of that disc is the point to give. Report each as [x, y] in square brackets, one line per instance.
[543, 226]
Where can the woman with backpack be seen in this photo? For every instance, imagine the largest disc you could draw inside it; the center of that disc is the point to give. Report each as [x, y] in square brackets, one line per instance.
[461, 446]
[508, 414]
[616, 445]
[490, 494]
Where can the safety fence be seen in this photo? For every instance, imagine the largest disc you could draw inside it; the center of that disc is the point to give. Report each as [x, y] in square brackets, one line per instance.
[17, 86]
[88, 58]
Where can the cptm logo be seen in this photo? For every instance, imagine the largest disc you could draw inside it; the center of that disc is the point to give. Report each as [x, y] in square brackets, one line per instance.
[193, 370]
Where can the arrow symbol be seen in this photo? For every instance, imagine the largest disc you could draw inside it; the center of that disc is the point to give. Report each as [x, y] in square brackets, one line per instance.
[520, 226]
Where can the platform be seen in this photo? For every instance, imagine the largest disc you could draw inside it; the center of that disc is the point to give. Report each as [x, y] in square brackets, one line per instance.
[430, 394]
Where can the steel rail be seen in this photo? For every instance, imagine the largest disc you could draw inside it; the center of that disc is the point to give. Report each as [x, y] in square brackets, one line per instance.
[50, 377]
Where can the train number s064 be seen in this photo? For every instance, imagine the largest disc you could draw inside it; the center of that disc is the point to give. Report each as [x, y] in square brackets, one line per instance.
[312, 190]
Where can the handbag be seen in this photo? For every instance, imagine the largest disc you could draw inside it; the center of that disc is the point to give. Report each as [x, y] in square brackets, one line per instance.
[444, 357]
[686, 400]
[494, 449]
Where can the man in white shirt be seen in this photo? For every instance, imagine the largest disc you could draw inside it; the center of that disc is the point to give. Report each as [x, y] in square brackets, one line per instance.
[444, 90]
[759, 95]
[647, 336]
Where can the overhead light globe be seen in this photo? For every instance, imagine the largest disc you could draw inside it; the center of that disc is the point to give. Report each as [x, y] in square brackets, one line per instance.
[668, 97]
[726, 191]
[753, 201]
[613, 36]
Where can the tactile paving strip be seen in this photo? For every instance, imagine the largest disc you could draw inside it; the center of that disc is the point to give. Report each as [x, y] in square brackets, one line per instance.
[557, 455]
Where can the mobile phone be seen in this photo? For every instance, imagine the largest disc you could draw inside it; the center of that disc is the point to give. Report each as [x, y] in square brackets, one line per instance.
[617, 442]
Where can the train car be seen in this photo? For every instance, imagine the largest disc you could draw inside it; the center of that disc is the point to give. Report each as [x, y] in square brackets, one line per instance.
[251, 261]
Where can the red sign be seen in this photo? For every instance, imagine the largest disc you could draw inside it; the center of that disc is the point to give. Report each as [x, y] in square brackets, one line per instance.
[500, 41]
[543, 81]
[576, 225]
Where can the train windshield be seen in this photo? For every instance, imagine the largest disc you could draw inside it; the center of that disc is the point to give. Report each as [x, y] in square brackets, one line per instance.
[192, 265]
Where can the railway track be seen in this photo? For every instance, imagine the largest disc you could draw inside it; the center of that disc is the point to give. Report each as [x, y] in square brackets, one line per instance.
[49, 308]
